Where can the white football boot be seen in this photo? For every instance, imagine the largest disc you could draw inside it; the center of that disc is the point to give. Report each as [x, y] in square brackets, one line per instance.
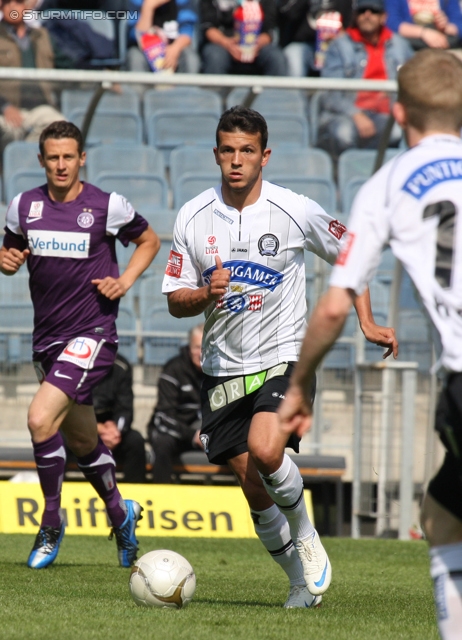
[300, 597]
[317, 569]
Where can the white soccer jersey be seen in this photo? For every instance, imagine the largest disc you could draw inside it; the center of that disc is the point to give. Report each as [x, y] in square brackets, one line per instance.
[260, 322]
[413, 203]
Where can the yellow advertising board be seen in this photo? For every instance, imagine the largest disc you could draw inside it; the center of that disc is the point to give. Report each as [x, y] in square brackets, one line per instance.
[169, 510]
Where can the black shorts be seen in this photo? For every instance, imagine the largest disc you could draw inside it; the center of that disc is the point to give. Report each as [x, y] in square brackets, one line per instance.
[229, 404]
[446, 486]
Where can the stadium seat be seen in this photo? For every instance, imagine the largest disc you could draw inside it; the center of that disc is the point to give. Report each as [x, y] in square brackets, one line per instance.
[286, 101]
[126, 329]
[15, 289]
[16, 324]
[415, 341]
[190, 159]
[314, 111]
[321, 190]
[342, 354]
[309, 162]
[181, 98]
[23, 180]
[126, 101]
[289, 129]
[139, 188]
[17, 156]
[167, 129]
[163, 335]
[116, 119]
[359, 163]
[349, 192]
[112, 157]
[161, 220]
[190, 185]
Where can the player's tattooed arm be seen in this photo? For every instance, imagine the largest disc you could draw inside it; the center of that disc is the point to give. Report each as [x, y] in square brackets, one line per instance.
[11, 260]
[185, 303]
[381, 336]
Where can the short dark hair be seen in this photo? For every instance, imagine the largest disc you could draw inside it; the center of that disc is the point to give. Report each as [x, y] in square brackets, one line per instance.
[243, 119]
[58, 130]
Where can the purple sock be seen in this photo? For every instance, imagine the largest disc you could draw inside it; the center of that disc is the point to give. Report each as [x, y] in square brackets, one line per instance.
[50, 458]
[98, 467]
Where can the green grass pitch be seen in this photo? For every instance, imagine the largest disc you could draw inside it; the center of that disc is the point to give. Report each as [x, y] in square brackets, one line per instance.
[381, 590]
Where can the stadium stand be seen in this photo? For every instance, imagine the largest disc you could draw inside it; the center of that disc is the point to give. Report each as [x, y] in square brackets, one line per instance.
[192, 158]
[321, 190]
[183, 98]
[308, 162]
[137, 158]
[141, 189]
[270, 101]
[23, 180]
[17, 156]
[16, 321]
[189, 185]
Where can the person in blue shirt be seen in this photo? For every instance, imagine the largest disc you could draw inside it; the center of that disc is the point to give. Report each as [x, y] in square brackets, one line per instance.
[425, 24]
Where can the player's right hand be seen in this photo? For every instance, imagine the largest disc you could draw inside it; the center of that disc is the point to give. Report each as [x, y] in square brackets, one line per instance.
[13, 259]
[295, 412]
[219, 280]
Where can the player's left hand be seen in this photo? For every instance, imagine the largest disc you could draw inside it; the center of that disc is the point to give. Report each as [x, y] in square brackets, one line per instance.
[383, 337]
[295, 412]
[111, 288]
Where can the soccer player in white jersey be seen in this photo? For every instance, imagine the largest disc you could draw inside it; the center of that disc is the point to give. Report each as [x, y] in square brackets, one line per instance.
[237, 255]
[413, 203]
[66, 230]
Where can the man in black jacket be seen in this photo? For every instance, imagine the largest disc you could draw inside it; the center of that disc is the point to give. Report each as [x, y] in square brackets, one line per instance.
[113, 403]
[176, 422]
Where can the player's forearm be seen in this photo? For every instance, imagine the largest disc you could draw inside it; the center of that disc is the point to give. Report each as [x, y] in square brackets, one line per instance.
[148, 245]
[324, 328]
[186, 303]
[362, 305]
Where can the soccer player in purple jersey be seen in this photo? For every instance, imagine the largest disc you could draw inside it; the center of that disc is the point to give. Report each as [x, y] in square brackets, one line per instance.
[66, 231]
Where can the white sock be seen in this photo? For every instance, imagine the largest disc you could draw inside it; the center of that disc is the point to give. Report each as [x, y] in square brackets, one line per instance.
[285, 486]
[272, 528]
[446, 571]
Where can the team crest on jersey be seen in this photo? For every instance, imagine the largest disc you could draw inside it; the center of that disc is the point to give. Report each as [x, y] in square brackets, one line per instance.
[85, 219]
[35, 211]
[337, 229]
[268, 245]
[211, 247]
[238, 302]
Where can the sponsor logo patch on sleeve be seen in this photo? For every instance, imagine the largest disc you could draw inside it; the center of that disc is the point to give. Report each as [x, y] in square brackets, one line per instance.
[337, 229]
[174, 264]
[346, 248]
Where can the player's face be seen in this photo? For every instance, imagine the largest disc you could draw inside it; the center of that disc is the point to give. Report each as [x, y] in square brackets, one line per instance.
[240, 158]
[62, 161]
[195, 345]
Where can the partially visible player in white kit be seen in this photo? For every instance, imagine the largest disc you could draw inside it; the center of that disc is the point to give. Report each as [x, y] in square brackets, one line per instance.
[66, 230]
[414, 204]
[238, 256]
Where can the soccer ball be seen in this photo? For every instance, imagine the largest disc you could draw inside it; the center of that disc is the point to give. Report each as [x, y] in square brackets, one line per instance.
[162, 578]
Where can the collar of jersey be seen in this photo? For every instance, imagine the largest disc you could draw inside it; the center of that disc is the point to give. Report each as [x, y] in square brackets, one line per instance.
[250, 207]
[437, 137]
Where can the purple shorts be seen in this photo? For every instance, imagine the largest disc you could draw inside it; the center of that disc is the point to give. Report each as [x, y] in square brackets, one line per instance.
[77, 367]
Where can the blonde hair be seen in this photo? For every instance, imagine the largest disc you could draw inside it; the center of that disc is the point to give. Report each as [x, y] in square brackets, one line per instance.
[430, 89]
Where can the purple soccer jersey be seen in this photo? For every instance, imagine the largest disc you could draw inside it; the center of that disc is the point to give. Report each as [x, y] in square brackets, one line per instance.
[71, 244]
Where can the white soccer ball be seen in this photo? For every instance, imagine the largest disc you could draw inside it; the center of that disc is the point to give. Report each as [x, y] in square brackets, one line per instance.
[162, 578]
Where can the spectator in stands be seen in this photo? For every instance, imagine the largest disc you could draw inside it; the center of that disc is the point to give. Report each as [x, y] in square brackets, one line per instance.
[26, 107]
[305, 30]
[238, 38]
[176, 422]
[113, 403]
[426, 23]
[367, 50]
[162, 39]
